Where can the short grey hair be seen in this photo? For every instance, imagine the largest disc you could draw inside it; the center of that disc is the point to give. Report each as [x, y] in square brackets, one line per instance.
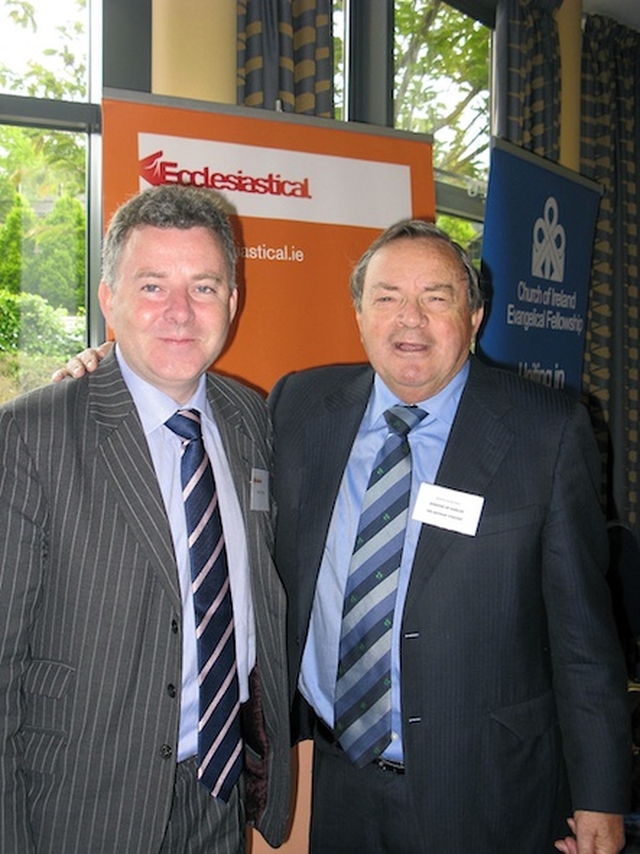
[169, 206]
[417, 229]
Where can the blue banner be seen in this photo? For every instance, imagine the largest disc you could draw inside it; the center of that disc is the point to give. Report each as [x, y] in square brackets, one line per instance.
[536, 257]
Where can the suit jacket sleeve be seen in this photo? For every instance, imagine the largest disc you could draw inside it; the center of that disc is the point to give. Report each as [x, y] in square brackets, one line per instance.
[22, 561]
[586, 657]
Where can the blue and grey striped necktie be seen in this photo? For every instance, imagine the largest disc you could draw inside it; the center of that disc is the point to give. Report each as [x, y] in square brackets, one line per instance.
[363, 686]
[220, 748]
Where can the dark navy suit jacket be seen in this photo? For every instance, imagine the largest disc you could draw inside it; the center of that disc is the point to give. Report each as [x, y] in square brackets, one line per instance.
[513, 686]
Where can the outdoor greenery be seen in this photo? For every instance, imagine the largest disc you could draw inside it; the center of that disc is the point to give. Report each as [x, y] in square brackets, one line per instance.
[62, 73]
[42, 284]
[441, 88]
[442, 83]
[42, 215]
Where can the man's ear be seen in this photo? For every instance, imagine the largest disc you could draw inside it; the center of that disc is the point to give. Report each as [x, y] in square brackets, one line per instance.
[105, 298]
[233, 304]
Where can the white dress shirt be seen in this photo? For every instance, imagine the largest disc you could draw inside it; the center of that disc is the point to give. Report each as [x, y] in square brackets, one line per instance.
[154, 408]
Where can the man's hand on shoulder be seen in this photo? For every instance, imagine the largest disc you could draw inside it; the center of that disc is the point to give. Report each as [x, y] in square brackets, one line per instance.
[84, 362]
[594, 833]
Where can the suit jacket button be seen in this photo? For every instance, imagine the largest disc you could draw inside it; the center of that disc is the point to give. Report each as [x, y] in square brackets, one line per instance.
[174, 626]
[171, 691]
[166, 751]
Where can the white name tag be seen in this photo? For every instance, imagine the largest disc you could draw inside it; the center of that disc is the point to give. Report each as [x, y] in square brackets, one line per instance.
[259, 489]
[448, 508]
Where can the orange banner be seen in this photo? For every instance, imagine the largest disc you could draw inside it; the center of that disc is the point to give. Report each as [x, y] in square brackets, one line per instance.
[307, 197]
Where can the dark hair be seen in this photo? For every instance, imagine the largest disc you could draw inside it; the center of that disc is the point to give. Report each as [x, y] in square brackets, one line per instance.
[417, 229]
[169, 206]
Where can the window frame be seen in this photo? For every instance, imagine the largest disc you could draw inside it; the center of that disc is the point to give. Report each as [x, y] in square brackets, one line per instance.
[119, 56]
[369, 74]
[83, 118]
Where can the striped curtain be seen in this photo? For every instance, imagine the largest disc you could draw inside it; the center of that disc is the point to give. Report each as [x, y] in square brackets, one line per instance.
[527, 90]
[285, 55]
[610, 155]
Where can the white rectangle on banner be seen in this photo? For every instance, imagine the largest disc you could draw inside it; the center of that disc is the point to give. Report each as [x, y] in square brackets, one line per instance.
[273, 183]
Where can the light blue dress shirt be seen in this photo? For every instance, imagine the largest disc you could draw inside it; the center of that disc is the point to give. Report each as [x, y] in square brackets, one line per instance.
[154, 408]
[427, 440]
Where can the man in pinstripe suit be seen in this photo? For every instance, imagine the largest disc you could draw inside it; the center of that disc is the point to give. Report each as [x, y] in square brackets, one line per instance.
[98, 681]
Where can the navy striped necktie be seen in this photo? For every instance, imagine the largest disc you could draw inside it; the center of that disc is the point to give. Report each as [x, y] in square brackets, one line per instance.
[363, 685]
[220, 749]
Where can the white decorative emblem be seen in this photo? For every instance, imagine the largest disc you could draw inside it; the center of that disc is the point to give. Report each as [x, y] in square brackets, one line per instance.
[549, 242]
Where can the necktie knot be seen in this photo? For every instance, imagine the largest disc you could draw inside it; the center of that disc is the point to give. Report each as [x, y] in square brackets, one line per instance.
[401, 419]
[186, 424]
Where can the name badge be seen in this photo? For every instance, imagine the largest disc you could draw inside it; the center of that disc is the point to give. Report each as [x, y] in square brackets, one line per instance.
[448, 508]
[259, 489]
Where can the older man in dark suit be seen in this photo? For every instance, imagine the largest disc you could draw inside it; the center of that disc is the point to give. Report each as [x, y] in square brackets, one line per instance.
[142, 651]
[457, 667]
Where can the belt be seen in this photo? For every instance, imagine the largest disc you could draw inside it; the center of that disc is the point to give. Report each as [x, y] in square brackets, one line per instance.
[326, 735]
[387, 765]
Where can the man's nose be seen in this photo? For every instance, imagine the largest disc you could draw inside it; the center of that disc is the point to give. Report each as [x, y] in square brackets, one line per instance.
[412, 314]
[178, 306]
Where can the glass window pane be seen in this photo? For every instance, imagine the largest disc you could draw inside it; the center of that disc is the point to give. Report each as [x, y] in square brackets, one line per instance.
[441, 86]
[468, 234]
[44, 46]
[465, 232]
[43, 228]
[339, 41]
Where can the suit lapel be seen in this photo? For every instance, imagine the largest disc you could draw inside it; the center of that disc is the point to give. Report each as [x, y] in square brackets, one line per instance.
[127, 467]
[327, 438]
[235, 439]
[478, 441]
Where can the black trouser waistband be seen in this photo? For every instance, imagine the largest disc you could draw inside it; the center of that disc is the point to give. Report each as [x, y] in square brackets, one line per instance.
[324, 734]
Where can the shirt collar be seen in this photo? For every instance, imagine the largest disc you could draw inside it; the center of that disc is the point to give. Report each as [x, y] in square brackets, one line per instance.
[155, 406]
[443, 405]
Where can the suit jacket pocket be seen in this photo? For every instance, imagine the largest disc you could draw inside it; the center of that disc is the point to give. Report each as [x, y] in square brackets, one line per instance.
[48, 678]
[528, 719]
[498, 523]
[44, 732]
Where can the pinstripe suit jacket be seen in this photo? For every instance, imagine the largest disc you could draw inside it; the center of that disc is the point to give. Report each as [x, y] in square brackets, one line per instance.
[90, 622]
[512, 676]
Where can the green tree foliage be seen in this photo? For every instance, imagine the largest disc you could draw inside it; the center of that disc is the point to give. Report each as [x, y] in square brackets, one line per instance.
[468, 235]
[35, 339]
[42, 215]
[17, 246]
[42, 248]
[63, 72]
[40, 162]
[45, 255]
[29, 324]
[442, 82]
[9, 322]
[59, 269]
[21, 13]
[7, 197]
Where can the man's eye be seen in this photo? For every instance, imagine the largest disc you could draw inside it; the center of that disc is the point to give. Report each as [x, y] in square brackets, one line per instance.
[151, 289]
